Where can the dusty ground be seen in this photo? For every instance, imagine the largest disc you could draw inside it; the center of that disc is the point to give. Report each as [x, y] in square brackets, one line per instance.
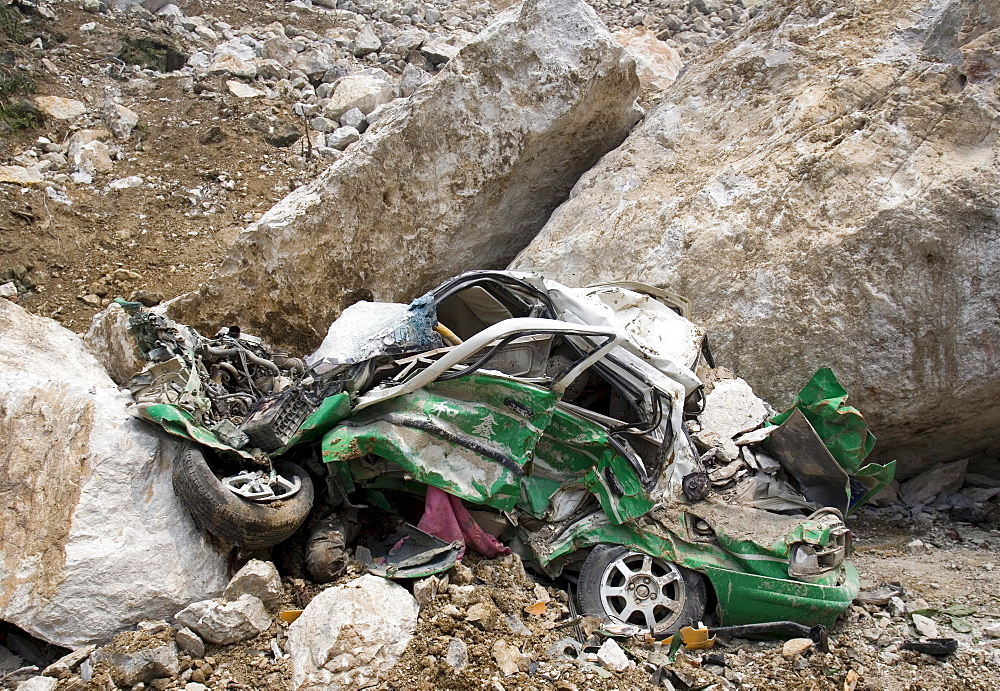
[203, 184]
[956, 568]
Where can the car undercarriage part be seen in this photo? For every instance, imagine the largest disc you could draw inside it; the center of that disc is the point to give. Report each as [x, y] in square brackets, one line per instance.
[409, 553]
[781, 629]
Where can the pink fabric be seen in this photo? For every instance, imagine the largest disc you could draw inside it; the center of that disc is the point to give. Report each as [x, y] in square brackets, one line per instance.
[445, 518]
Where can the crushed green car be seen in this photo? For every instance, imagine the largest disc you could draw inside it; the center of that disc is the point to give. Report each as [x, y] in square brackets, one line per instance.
[586, 429]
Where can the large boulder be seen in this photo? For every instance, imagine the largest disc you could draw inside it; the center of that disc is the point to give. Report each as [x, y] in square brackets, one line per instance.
[461, 175]
[349, 636]
[92, 539]
[825, 187]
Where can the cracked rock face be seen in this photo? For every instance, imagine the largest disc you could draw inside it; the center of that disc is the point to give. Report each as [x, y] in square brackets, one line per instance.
[825, 190]
[460, 175]
[92, 539]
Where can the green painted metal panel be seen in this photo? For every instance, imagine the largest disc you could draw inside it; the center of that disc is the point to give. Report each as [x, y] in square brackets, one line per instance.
[751, 599]
[471, 436]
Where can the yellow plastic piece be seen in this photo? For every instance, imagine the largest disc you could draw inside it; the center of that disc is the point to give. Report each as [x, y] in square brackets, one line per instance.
[693, 638]
[290, 615]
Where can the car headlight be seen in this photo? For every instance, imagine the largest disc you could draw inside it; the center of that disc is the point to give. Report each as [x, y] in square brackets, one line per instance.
[809, 562]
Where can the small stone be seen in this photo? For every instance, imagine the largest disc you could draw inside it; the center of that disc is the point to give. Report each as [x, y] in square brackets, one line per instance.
[897, 607]
[363, 92]
[925, 626]
[926, 486]
[232, 65]
[213, 135]
[241, 90]
[125, 183]
[189, 642]
[142, 666]
[354, 118]
[992, 631]
[195, 686]
[155, 626]
[796, 647]
[93, 157]
[425, 590]
[507, 657]
[612, 657]
[342, 137]
[120, 119]
[92, 300]
[915, 547]
[259, 579]
[481, 616]
[457, 655]
[206, 33]
[60, 108]
[9, 291]
[460, 574]
[20, 175]
[439, 51]
[366, 42]
[412, 79]
[226, 622]
[321, 124]
[38, 684]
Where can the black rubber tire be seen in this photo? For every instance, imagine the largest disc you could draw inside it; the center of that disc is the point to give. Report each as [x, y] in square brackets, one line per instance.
[247, 524]
[691, 590]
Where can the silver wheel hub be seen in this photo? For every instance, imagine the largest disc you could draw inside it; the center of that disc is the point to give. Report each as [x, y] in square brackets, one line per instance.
[643, 591]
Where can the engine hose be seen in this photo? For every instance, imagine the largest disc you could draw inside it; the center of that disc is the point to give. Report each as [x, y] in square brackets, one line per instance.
[235, 373]
[255, 359]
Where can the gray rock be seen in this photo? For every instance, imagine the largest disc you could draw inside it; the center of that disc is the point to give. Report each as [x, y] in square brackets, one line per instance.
[226, 622]
[354, 118]
[315, 60]
[439, 50]
[270, 70]
[257, 578]
[363, 92]
[366, 42]
[120, 119]
[413, 78]
[190, 642]
[350, 636]
[731, 407]
[925, 487]
[68, 662]
[457, 655]
[342, 137]
[76, 461]
[408, 40]
[129, 669]
[860, 290]
[538, 98]
[321, 124]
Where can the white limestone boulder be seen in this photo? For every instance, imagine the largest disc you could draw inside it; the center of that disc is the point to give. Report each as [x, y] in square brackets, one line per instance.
[350, 636]
[460, 175]
[92, 539]
[824, 186]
